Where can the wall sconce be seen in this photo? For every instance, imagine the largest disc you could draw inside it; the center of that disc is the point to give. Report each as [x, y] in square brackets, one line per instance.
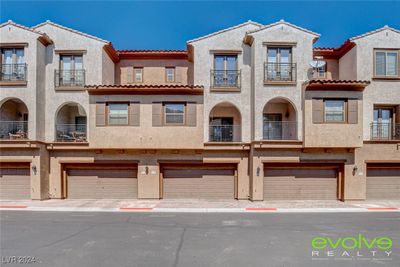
[146, 170]
[355, 169]
[34, 169]
[258, 171]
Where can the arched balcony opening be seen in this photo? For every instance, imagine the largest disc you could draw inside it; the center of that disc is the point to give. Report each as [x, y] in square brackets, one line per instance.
[71, 123]
[13, 119]
[279, 120]
[225, 122]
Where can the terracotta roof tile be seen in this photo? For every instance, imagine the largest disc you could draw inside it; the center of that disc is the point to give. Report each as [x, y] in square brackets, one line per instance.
[339, 82]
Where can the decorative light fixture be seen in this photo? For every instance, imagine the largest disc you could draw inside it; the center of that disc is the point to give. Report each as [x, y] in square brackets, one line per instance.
[34, 169]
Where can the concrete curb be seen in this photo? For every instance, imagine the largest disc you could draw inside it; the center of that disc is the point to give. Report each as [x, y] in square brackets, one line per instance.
[202, 210]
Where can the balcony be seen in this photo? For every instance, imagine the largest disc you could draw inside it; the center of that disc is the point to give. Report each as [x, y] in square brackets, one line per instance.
[224, 133]
[385, 131]
[280, 130]
[224, 79]
[69, 79]
[13, 74]
[13, 130]
[71, 132]
[279, 73]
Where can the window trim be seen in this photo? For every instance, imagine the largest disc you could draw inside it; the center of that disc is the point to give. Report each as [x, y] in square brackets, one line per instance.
[108, 113]
[164, 113]
[134, 74]
[386, 50]
[345, 111]
[166, 74]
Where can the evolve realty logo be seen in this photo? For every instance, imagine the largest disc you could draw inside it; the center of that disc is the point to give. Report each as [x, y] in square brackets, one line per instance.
[356, 247]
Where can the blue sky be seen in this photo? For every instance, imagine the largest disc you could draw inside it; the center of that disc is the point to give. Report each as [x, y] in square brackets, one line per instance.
[168, 25]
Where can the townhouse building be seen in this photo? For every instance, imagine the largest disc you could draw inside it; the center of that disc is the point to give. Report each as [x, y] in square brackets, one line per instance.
[249, 112]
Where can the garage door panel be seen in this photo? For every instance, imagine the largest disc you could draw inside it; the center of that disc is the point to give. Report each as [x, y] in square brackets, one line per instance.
[383, 183]
[300, 183]
[102, 183]
[15, 183]
[198, 183]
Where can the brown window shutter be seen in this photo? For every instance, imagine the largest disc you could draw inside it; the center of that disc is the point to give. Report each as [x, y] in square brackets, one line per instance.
[157, 114]
[397, 119]
[100, 114]
[352, 108]
[124, 75]
[318, 110]
[134, 114]
[178, 74]
[191, 114]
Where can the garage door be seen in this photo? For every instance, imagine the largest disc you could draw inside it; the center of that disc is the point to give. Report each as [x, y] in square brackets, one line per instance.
[102, 183]
[198, 182]
[383, 181]
[300, 183]
[15, 181]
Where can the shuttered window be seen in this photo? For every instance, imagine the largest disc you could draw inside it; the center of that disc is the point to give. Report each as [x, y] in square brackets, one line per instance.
[335, 111]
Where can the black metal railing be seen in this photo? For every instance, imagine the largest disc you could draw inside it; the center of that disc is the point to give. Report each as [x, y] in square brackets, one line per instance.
[279, 72]
[71, 133]
[224, 133]
[225, 79]
[69, 78]
[13, 72]
[280, 130]
[385, 131]
[13, 130]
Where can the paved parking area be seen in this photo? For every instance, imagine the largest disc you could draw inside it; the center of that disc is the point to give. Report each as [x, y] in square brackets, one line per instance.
[93, 239]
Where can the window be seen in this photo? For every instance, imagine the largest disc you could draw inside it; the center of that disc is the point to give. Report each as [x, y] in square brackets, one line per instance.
[387, 63]
[138, 74]
[225, 73]
[12, 64]
[71, 70]
[118, 114]
[279, 65]
[174, 113]
[334, 110]
[170, 74]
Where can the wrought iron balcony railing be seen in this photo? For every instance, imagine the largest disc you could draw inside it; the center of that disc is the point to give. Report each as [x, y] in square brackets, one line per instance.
[13, 130]
[13, 72]
[225, 79]
[279, 72]
[385, 131]
[69, 78]
[224, 133]
[71, 133]
[280, 130]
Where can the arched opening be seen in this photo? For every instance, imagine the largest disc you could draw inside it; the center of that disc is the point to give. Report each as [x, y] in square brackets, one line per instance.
[279, 120]
[71, 123]
[13, 119]
[225, 123]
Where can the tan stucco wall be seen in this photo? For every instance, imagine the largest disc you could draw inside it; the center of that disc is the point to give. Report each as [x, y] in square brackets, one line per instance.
[204, 63]
[153, 71]
[145, 135]
[332, 134]
[302, 54]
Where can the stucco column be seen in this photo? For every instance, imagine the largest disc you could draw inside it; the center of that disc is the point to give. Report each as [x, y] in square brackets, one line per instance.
[355, 183]
[55, 178]
[257, 178]
[243, 179]
[148, 178]
[39, 175]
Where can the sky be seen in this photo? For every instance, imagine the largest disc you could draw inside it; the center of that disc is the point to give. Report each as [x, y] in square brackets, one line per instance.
[169, 24]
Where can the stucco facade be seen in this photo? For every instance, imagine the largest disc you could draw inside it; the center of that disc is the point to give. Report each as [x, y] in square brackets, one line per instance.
[258, 128]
